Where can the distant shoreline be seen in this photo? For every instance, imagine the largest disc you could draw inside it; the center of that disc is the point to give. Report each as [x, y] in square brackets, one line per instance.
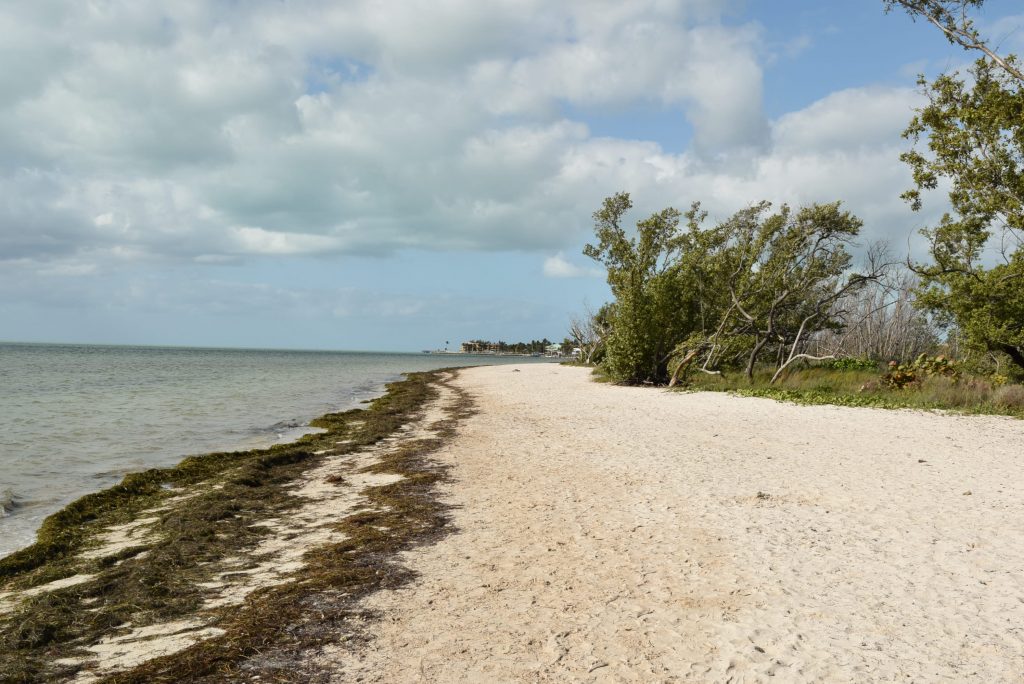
[491, 354]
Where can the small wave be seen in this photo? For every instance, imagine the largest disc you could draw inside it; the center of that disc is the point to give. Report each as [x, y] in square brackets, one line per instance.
[285, 425]
[8, 503]
[275, 430]
[109, 474]
[281, 431]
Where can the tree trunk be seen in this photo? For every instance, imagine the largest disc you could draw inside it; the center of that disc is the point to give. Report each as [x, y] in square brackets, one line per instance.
[1015, 353]
[758, 346]
[682, 365]
[784, 366]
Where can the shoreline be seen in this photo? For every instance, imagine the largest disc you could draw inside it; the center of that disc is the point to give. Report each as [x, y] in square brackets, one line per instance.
[77, 419]
[526, 523]
[12, 504]
[211, 554]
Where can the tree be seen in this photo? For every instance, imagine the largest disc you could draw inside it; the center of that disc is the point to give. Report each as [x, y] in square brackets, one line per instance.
[974, 132]
[953, 19]
[782, 276]
[590, 331]
[646, 324]
[759, 285]
[882, 322]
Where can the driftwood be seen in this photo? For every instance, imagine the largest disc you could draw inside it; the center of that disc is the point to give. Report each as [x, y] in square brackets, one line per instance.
[682, 364]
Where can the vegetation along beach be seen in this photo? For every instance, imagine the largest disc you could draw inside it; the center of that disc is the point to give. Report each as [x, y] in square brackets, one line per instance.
[693, 342]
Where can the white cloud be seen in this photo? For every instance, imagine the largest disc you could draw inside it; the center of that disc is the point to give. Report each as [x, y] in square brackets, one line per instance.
[558, 266]
[847, 119]
[258, 241]
[176, 124]
[210, 132]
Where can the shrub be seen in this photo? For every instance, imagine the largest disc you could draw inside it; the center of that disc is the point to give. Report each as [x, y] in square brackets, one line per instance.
[850, 364]
[954, 392]
[901, 376]
[937, 365]
[1009, 396]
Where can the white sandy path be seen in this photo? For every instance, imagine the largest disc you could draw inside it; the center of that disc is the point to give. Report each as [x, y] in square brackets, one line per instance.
[616, 534]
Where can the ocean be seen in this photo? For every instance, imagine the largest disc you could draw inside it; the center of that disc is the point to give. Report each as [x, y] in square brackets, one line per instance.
[75, 419]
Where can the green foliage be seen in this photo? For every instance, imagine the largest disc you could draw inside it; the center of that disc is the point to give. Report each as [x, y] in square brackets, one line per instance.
[814, 378]
[646, 320]
[821, 385]
[899, 376]
[937, 366]
[849, 364]
[953, 19]
[717, 297]
[502, 347]
[974, 130]
[815, 396]
[903, 375]
[785, 270]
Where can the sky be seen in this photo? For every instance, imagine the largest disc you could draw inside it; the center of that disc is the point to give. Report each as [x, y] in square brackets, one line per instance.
[396, 175]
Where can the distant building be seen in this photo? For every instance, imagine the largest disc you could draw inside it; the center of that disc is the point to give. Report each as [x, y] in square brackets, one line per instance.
[531, 348]
[479, 347]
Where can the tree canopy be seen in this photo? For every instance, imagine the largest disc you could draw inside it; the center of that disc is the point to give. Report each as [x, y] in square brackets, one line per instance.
[641, 270]
[972, 131]
[760, 284]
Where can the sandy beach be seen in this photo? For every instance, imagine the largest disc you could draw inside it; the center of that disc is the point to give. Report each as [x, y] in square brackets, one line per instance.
[615, 534]
[527, 524]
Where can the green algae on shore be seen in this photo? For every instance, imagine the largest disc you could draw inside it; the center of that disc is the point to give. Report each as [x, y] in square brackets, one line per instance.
[149, 553]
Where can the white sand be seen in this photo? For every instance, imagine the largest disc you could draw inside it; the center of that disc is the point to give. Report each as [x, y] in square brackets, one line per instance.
[628, 534]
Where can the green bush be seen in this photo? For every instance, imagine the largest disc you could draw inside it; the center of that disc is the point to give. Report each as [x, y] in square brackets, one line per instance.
[904, 375]
[849, 364]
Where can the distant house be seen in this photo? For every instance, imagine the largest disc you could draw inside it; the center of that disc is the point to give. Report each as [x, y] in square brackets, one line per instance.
[531, 348]
[479, 347]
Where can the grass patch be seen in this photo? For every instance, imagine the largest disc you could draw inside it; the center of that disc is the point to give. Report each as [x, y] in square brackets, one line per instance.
[863, 387]
[230, 492]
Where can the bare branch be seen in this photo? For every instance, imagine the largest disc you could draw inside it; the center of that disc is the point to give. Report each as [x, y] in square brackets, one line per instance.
[797, 358]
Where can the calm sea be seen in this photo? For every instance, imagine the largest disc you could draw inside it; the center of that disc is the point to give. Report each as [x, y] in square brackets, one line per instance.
[76, 418]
